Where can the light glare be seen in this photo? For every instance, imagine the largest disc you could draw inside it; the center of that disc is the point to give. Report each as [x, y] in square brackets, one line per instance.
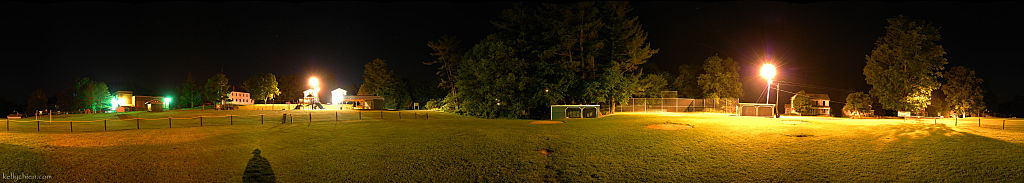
[113, 104]
[314, 82]
[338, 96]
[167, 102]
[768, 71]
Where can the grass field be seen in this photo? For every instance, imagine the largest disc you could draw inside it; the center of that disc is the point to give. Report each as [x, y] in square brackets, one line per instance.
[446, 148]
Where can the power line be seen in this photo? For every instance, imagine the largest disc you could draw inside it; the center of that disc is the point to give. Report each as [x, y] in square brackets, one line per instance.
[762, 94]
[811, 86]
[794, 93]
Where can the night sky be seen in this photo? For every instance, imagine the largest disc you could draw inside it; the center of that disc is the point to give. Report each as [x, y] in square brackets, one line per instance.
[154, 45]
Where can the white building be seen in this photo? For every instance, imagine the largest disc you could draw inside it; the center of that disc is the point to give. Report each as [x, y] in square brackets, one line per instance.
[239, 98]
[821, 104]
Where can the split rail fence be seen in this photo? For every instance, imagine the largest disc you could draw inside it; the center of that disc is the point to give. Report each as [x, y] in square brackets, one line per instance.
[991, 123]
[132, 123]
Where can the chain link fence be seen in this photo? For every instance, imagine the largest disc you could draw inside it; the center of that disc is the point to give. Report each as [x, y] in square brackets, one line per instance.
[727, 105]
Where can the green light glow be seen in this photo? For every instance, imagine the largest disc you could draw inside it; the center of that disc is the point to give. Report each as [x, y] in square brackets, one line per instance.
[113, 103]
[167, 102]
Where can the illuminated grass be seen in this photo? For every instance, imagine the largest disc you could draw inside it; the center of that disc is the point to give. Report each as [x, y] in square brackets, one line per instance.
[450, 148]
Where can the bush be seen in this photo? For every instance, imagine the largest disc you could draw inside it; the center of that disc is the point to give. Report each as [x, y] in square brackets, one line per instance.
[857, 104]
[447, 104]
[433, 104]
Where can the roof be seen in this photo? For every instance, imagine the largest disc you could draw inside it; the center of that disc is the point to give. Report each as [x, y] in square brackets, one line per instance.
[817, 96]
[155, 101]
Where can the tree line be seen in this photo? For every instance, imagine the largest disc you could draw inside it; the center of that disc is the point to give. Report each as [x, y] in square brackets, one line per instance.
[97, 96]
[86, 94]
[586, 53]
[574, 53]
[592, 53]
[907, 72]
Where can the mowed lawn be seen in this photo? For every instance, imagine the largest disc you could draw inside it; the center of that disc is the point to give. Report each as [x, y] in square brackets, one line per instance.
[446, 148]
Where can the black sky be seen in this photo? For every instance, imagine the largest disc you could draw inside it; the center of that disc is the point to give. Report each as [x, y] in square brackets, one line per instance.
[154, 45]
[823, 44]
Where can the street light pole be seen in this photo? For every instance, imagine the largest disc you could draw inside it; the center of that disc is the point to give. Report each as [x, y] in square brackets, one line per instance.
[769, 89]
[768, 72]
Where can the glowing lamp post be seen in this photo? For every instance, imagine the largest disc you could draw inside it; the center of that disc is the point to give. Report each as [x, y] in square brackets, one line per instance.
[768, 73]
[314, 84]
[114, 104]
[167, 102]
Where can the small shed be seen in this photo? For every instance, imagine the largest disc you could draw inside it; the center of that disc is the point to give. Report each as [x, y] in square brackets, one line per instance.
[575, 111]
[365, 102]
[752, 109]
[155, 105]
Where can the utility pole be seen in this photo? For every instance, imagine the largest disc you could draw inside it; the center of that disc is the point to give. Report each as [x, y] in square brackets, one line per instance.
[777, 99]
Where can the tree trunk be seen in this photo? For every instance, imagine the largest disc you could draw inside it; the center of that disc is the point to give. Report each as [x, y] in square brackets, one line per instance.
[613, 106]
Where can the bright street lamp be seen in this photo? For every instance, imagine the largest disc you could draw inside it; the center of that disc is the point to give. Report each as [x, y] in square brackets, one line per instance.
[314, 91]
[314, 82]
[768, 73]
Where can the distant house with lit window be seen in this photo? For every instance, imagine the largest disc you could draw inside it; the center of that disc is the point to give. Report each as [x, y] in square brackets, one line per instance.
[239, 98]
[821, 104]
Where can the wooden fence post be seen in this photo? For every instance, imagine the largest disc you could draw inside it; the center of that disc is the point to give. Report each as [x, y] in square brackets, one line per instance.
[168, 122]
[231, 120]
[360, 115]
[200, 121]
[104, 125]
[335, 116]
[979, 122]
[955, 121]
[310, 117]
[261, 119]
[71, 126]
[1004, 124]
[37, 125]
